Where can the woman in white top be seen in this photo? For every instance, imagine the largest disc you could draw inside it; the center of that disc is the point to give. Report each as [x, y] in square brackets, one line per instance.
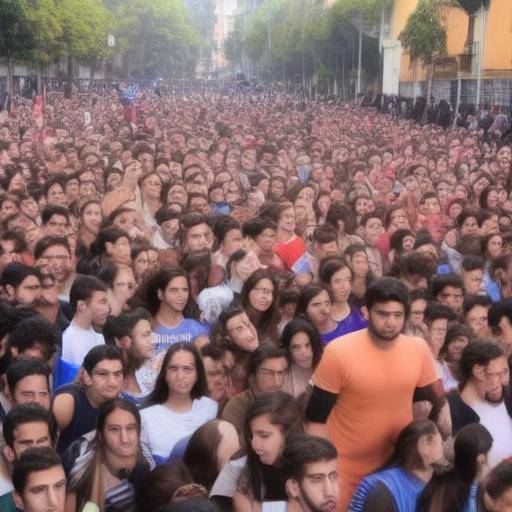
[179, 405]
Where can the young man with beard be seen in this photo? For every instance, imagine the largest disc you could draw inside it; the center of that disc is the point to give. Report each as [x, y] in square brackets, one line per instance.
[131, 333]
[365, 385]
[483, 396]
[310, 470]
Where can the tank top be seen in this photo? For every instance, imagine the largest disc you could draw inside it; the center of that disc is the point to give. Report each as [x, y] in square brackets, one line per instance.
[84, 417]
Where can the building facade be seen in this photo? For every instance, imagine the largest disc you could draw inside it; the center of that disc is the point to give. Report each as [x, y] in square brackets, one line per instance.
[478, 69]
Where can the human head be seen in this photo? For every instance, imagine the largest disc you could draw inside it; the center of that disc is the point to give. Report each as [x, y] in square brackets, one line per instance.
[476, 311]
[195, 233]
[418, 303]
[158, 487]
[210, 448]
[498, 488]
[473, 274]
[260, 297]
[315, 303]
[499, 318]
[20, 284]
[118, 427]
[34, 337]
[387, 302]
[485, 365]
[235, 331]
[471, 447]
[325, 242]
[28, 380]
[267, 368]
[457, 338]
[373, 228]
[54, 254]
[269, 420]
[39, 481]
[418, 446]
[437, 318]
[302, 341]
[189, 364]
[88, 298]
[216, 370]
[131, 332]
[103, 372]
[168, 288]
[55, 220]
[26, 426]
[357, 259]
[114, 244]
[228, 234]
[448, 289]
[310, 472]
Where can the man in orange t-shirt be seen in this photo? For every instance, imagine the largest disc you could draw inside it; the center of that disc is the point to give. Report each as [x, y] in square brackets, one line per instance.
[365, 385]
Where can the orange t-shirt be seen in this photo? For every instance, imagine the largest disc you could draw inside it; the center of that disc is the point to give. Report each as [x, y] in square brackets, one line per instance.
[375, 390]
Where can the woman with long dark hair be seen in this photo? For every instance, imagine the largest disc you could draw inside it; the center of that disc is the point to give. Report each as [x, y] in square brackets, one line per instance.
[302, 342]
[106, 467]
[260, 300]
[178, 404]
[269, 421]
[167, 296]
[396, 487]
[209, 449]
[456, 489]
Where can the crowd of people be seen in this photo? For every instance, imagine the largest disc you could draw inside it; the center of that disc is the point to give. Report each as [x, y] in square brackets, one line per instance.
[252, 302]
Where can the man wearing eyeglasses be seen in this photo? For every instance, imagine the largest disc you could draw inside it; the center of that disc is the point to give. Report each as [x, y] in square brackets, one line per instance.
[484, 396]
[54, 254]
[267, 369]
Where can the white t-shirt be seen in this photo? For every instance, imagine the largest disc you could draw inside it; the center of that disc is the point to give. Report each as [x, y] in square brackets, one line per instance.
[495, 418]
[163, 428]
[76, 342]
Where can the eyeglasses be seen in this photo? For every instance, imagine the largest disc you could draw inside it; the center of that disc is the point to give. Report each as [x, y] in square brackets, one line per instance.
[498, 375]
[267, 373]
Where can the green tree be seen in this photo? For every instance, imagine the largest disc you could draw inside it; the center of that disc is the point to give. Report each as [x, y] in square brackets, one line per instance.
[45, 26]
[424, 37]
[16, 39]
[85, 28]
[159, 35]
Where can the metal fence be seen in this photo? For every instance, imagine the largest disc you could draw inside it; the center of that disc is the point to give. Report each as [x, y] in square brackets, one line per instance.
[494, 92]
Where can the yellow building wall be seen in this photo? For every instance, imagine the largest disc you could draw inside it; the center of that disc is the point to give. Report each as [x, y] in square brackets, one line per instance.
[498, 36]
[401, 11]
[455, 19]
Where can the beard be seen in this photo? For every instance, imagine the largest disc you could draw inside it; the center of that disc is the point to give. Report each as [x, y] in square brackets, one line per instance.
[495, 400]
[387, 336]
[326, 506]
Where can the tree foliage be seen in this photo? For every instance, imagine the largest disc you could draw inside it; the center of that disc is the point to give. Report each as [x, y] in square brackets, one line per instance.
[154, 35]
[423, 36]
[15, 35]
[305, 37]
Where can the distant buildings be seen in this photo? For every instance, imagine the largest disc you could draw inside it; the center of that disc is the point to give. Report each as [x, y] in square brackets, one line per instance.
[225, 18]
[480, 47]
